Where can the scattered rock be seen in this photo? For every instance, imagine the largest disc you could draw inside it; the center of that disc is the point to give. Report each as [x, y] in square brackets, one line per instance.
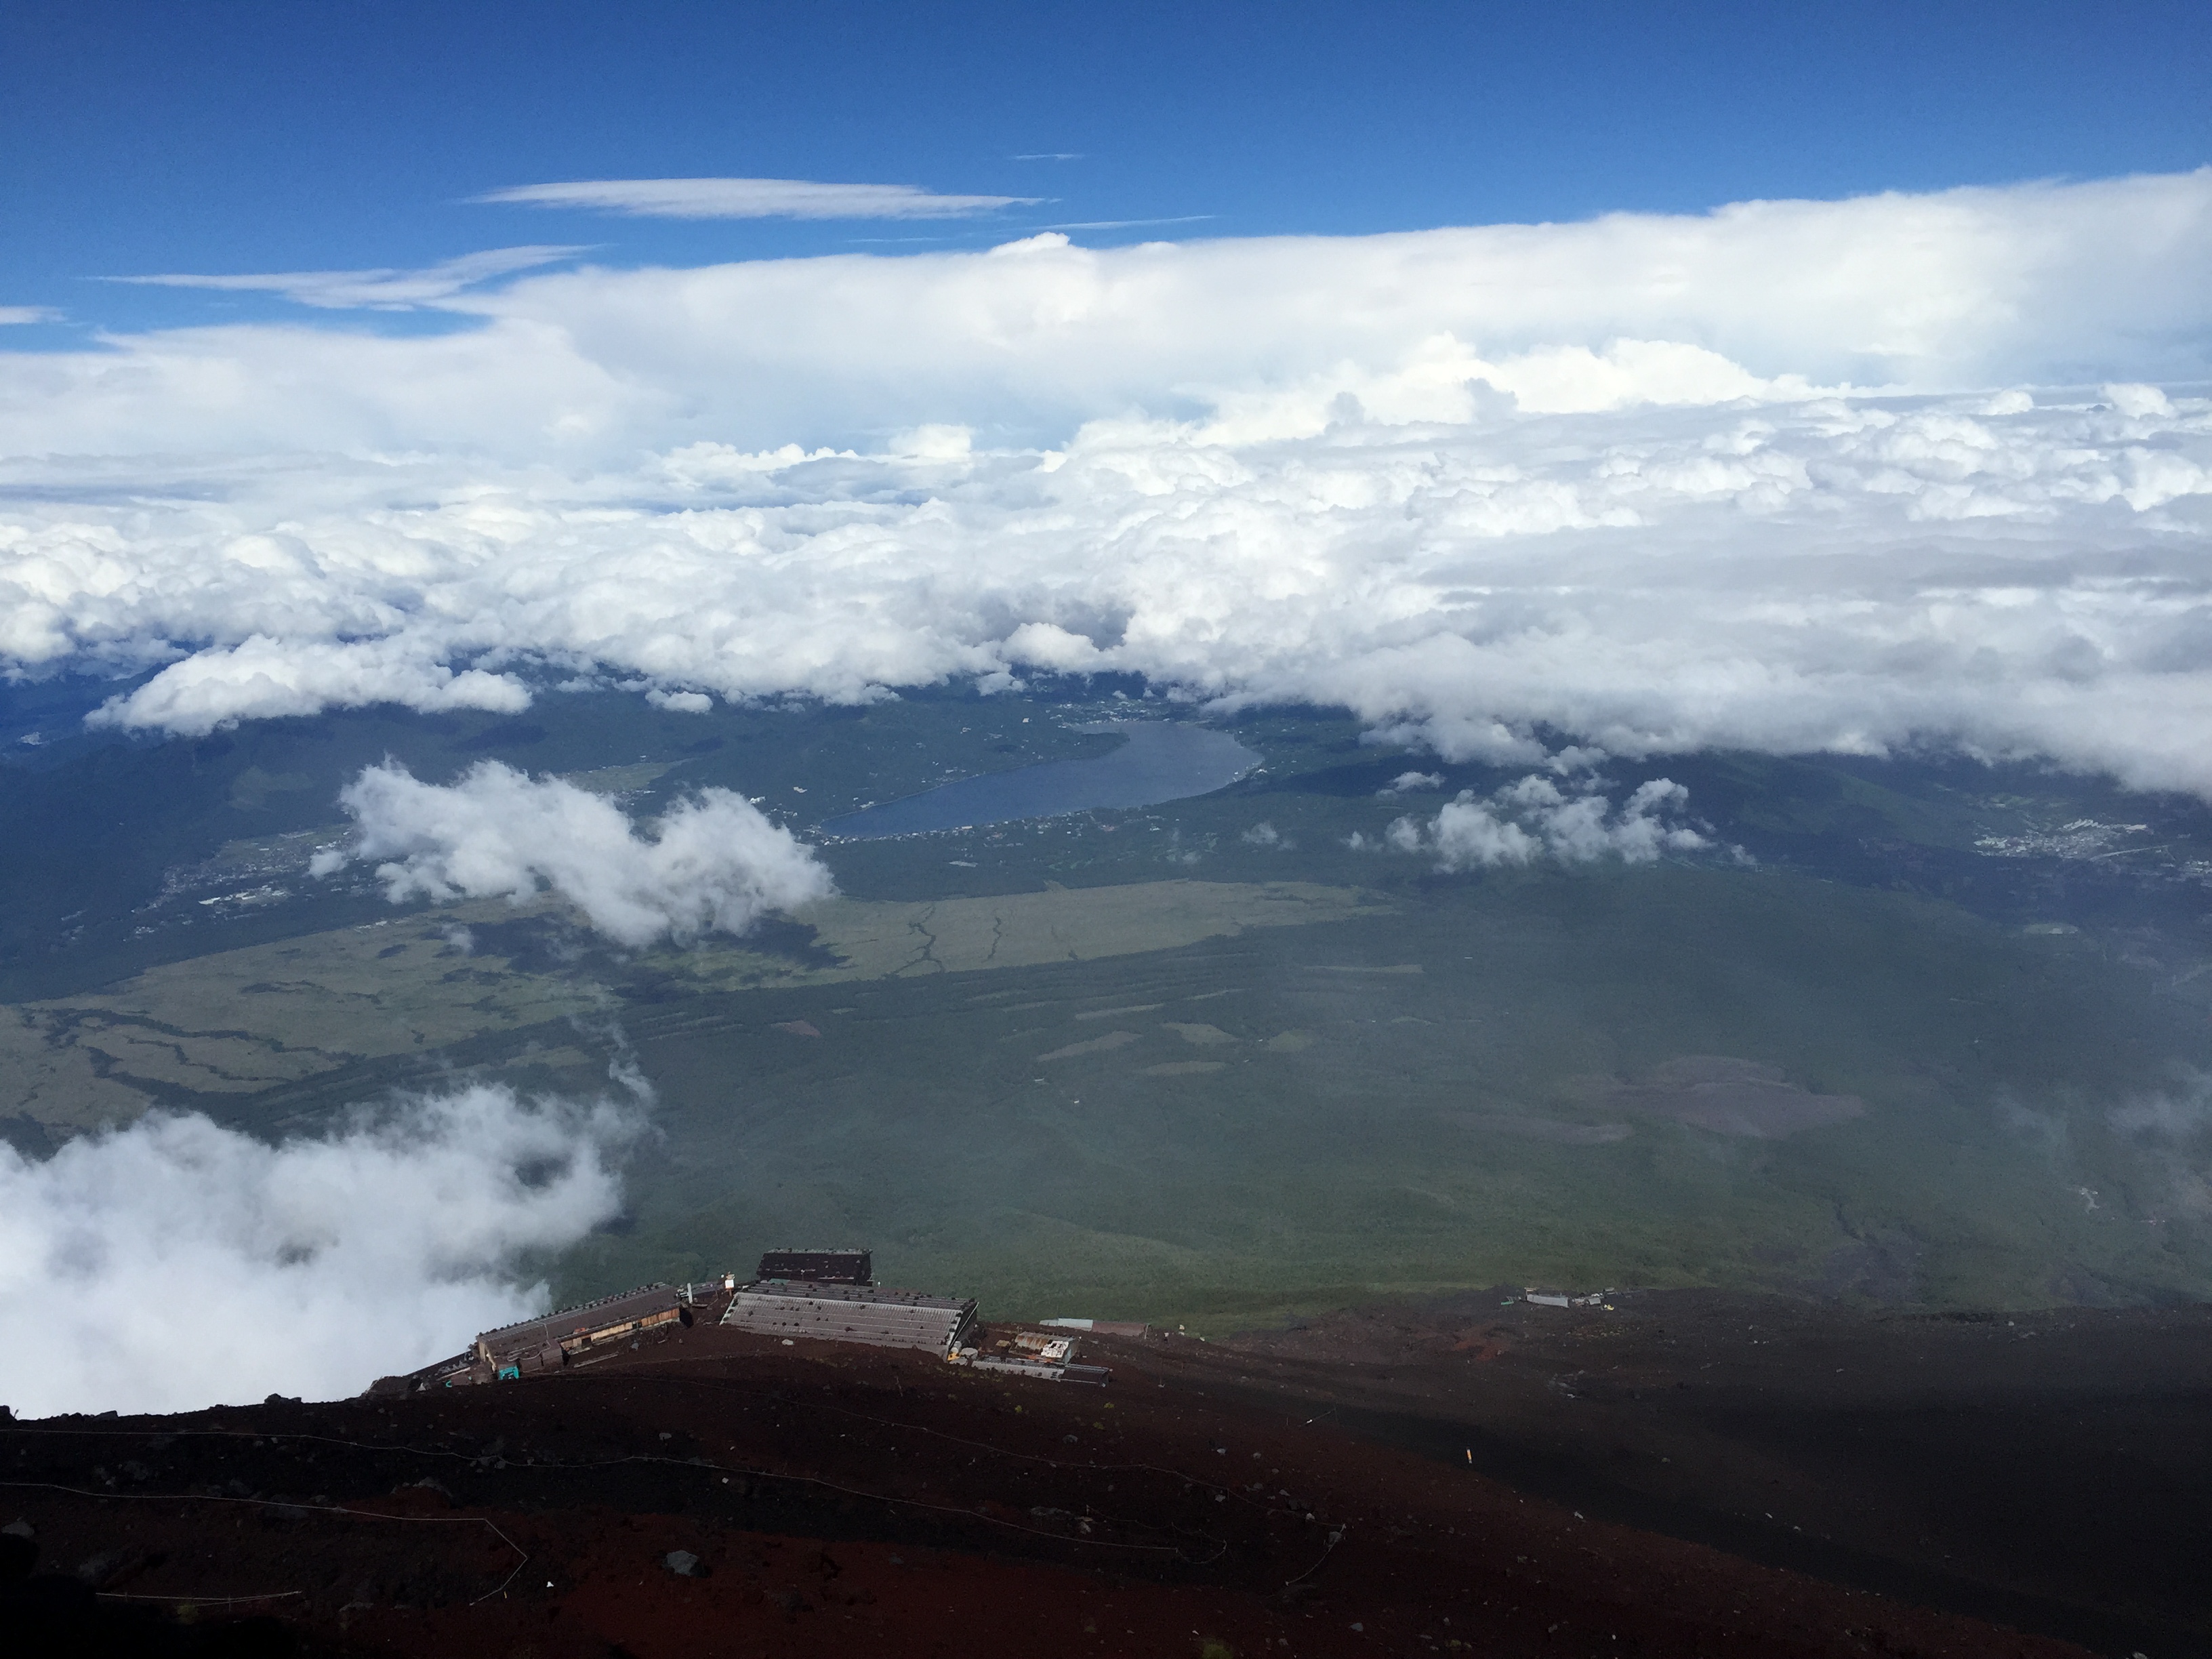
[683, 1564]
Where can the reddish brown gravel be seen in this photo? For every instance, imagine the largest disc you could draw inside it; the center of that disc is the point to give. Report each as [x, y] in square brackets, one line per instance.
[845, 1501]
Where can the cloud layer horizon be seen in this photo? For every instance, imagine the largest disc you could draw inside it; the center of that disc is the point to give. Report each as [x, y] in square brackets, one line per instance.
[1789, 475]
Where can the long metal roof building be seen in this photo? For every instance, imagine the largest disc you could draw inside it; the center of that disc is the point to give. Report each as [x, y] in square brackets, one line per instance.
[853, 1313]
[609, 1316]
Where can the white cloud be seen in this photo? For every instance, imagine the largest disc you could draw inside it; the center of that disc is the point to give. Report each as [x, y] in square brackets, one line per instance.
[176, 1264]
[374, 290]
[1406, 782]
[18, 316]
[2140, 402]
[2033, 285]
[1533, 819]
[1128, 224]
[1470, 484]
[262, 677]
[1842, 573]
[752, 198]
[713, 862]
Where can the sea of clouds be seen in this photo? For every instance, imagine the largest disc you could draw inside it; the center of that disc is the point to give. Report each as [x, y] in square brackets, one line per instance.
[1791, 475]
[1788, 476]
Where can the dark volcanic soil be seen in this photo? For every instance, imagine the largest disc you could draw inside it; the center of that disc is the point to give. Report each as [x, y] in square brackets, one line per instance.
[2049, 1470]
[851, 1501]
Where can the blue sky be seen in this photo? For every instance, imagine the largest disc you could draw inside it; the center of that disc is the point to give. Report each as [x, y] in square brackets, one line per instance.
[145, 138]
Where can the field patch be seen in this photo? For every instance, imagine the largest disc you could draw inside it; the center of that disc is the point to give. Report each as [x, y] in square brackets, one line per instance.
[233, 1022]
[1199, 1036]
[1098, 1045]
[1728, 1096]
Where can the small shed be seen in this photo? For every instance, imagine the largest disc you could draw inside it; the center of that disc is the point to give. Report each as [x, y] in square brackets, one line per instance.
[819, 1266]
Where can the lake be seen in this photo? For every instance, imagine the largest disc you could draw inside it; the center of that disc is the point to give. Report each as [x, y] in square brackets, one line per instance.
[1158, 761]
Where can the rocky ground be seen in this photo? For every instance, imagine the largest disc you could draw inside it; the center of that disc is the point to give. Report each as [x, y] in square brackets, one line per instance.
[1457, 1476]
[2050, 1470]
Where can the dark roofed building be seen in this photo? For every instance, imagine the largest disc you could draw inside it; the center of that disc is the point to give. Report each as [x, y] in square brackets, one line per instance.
[853, 1313]
[819, 1266]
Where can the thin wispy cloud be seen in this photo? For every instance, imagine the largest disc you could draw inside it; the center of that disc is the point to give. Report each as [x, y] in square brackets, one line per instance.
[1053, 155]
[16, 316]
[1126, 224]
[380, 289]
[752, 198]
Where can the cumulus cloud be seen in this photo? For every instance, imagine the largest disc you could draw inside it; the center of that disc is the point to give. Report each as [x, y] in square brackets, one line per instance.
[1846, 574]
[1534, 819]
[262, 677]
[2140, 402]
[752, 198]
[1407, 783]
[176, 1264]
[714, 863]
[380, 289]
[2031, 285]
[1618, 481]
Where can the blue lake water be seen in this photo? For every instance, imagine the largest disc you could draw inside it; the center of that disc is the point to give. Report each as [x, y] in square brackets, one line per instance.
[1158, 761]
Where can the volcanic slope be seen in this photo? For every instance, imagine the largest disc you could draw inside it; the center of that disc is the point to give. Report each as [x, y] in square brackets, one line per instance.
[835, 1500]
[2051, 1469]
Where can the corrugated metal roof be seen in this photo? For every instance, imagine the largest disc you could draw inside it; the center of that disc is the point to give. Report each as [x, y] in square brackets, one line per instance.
[815, 1290]
[584, 1316]
[852, 1313]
